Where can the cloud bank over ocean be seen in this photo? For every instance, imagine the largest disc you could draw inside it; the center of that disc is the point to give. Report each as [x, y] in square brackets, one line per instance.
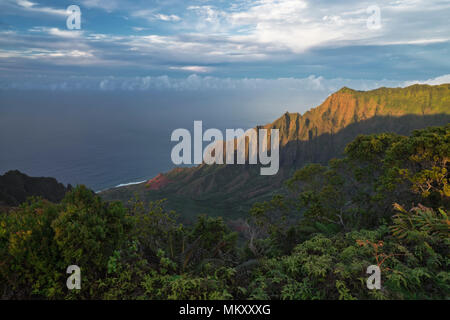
[196, 82]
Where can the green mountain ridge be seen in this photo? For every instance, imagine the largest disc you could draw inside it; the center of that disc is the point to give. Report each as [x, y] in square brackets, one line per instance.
[315, 136]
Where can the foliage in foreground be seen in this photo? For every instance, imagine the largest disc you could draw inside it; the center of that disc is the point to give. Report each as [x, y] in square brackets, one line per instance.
[386, 203]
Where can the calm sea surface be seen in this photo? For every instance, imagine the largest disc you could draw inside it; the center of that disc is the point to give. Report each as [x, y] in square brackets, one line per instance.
[104, 139]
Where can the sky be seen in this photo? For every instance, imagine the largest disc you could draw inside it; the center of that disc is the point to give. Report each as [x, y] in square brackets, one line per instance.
[317, 45]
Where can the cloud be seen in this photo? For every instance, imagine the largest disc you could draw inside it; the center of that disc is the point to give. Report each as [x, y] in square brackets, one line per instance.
[287, 11]
[433, 81]
[164, 17]
[299, 25]
[35, 8]
[286, 26]
[58, 32]
[209, 19]
[56, 57]
[309, 85]
[195, 69]
[25, 3]
[151, 15]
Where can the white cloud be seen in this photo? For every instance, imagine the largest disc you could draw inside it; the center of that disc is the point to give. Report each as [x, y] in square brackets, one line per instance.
[25, 3]
[65, 33]
[151, 15]
[210, 19]
[33, 7]
[298, 25]
[58, 32]
[399, 42]
[197, 69]
[285, 11]
[164, 17]
[308, 86]
[417, 5]
[433, 81]
[263, 29]
[68, 57]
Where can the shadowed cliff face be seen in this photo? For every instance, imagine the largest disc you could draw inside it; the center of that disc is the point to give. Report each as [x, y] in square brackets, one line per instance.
[316, 136]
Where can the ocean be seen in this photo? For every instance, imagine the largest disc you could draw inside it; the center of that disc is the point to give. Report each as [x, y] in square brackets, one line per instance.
[106, 139]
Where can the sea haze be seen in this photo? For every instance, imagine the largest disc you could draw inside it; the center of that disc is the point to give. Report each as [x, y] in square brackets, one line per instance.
[106, 138]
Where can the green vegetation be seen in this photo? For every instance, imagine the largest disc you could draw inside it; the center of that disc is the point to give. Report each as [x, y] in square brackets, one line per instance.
[426, 98]
[386, 202]
[316, 136]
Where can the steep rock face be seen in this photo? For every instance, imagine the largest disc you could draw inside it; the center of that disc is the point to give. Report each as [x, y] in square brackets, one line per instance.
[16, 187]
[322, 133]
[316, 136]
[347, 113]
[158, 182]
[348, 106]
